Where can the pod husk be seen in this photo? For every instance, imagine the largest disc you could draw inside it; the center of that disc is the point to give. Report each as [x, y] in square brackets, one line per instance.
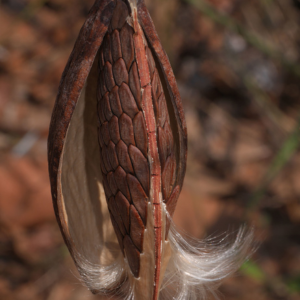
[73, 150]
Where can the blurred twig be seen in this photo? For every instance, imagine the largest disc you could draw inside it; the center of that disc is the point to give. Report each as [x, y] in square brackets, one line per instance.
[251, 38]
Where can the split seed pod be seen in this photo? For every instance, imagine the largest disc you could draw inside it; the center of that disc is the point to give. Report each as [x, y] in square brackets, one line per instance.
[117, 149]
[117, 157]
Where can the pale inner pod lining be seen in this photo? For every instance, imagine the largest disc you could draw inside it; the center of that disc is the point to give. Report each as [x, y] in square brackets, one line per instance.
[83, 206]
[83, 194]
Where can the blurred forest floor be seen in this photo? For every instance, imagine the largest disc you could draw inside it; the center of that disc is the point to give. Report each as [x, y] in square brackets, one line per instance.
[238, 69]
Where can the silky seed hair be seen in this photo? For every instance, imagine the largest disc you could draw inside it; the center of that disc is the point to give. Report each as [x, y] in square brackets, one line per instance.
[194, 272]
[196, 268]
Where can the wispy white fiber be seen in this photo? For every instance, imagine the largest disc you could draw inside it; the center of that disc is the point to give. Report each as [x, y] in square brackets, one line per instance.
[106, 280]
[196, 267]
[194, 271]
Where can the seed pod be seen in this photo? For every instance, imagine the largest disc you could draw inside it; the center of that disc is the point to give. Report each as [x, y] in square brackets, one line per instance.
[117, 151]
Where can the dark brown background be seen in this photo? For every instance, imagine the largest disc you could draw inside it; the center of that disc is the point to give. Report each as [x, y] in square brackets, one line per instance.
[237, 65]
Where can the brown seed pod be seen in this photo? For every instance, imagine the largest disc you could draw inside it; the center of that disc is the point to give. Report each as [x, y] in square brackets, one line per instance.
[117, 158]
[117, 151]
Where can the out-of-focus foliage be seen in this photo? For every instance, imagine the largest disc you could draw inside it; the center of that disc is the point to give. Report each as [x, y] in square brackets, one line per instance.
[237, 65]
